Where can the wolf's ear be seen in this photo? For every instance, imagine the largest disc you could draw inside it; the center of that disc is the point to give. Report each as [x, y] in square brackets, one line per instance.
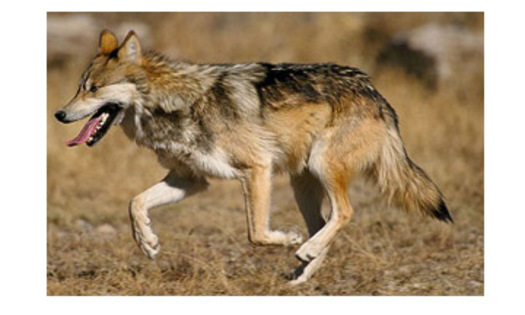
[107, 43]
[130, 48]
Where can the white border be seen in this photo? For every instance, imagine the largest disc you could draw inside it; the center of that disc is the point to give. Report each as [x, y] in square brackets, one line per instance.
[23, 165]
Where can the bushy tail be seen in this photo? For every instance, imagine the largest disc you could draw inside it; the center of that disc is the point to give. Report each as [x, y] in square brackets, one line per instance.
[404, 183]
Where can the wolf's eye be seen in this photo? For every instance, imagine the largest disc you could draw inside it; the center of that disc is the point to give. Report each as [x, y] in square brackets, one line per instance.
[93, 88]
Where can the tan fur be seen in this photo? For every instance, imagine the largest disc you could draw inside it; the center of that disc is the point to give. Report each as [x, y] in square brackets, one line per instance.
[295, 130]
[108, 42]
[322, 123]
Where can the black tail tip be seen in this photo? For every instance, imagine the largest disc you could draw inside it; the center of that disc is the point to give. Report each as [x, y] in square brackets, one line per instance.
[441, 213]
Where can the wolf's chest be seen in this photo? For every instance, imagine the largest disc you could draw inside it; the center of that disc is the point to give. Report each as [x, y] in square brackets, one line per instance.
[213, 164]
[177, 146]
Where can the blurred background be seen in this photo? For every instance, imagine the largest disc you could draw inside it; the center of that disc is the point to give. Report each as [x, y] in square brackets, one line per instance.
[428, 65]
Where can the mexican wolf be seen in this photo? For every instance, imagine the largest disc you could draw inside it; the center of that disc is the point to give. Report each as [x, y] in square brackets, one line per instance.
[321, 123]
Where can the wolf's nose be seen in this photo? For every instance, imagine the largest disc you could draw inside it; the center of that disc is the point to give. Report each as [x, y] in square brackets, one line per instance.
[60, 115]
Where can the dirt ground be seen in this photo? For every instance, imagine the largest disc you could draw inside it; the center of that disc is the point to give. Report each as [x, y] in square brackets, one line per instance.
[204, 246]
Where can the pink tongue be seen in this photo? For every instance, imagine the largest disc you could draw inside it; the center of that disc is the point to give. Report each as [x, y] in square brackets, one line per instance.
[85, 133]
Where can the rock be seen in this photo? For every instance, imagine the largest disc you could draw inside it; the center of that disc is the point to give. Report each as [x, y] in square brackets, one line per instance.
[106, 230]
[434, 53]
[84, 225]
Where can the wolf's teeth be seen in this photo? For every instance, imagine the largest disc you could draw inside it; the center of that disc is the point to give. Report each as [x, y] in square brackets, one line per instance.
[103, 118]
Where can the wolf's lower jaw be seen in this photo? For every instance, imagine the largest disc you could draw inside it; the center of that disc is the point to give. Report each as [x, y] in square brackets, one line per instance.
[109, 114]
[103, 120]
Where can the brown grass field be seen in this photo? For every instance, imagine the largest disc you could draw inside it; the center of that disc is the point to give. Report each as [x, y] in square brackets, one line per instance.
[205, 251]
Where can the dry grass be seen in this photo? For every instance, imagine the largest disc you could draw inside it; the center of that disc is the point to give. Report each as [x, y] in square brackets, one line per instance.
[204, 245]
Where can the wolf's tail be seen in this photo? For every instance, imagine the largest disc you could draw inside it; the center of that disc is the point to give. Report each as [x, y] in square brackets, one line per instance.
[404, 183]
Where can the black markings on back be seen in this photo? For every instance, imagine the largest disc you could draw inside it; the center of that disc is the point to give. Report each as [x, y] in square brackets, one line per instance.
[314, 83]
[283, 80]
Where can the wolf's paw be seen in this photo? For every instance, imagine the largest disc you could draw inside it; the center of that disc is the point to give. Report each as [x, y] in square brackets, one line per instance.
[286, 238]
[298, 281]
[277, 238]
[308, 251]
[150, 247]
[307, 269]
[297, 276]
[293, 238]
[147, 241]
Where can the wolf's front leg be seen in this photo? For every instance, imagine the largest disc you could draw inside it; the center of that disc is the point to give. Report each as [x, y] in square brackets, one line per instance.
[256, 186]
[171, 189]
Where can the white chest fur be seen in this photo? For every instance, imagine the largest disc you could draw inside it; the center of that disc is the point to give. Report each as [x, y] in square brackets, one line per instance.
[213, 164]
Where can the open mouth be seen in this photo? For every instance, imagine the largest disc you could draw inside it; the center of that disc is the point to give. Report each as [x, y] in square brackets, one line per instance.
[97, 126]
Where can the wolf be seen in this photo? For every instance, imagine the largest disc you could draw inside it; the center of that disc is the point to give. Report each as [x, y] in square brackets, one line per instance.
[321, 123]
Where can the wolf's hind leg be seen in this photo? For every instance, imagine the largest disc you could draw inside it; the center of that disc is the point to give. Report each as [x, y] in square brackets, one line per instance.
[171, 189]
[256, 187]
[309, 194]
[335, 185]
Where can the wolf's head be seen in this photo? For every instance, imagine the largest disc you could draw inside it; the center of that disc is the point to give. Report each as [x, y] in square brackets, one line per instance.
[107, 88]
